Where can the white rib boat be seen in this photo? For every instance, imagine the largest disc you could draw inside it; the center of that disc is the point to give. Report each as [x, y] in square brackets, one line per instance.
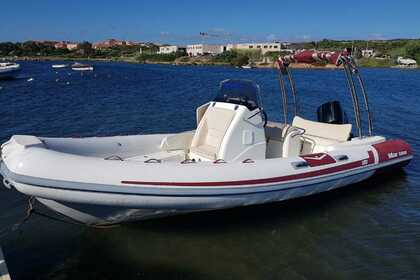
[234, 157]
[9, 70]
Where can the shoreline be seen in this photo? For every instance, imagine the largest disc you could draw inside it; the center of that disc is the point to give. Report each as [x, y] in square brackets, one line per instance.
[176, 63]
[200, 62]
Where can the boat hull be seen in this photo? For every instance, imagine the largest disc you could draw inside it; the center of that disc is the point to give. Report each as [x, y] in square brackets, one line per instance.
[87, 187]
[162, 206]
[92, 208]
[9, 74]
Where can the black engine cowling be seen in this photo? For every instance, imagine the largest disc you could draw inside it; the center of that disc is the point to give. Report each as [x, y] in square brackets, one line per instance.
[332, 113]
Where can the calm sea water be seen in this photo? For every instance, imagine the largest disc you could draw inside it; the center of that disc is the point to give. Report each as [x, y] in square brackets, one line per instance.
[367, 231]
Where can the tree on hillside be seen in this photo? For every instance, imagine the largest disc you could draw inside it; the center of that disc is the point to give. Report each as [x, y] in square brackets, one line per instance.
[309, 45]
[85, 48]
[30, 48]
[7, 48]
[412, 50]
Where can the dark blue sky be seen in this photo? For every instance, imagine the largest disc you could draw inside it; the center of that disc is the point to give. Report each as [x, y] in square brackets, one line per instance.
[181, 21]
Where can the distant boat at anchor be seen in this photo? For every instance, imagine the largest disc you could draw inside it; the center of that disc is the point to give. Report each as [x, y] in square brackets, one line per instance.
[9, 70]
[81, 67]
[248, 66]
[59, 66]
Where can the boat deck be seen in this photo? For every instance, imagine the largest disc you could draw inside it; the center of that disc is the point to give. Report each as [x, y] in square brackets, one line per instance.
[171, 156]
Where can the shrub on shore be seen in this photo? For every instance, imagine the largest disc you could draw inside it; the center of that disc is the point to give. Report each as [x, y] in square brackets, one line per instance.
[413, 50]
[156, 57]
[374, 62]
[233, 58]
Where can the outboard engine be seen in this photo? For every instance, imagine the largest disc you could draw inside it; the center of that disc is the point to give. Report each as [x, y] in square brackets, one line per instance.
[332, 113]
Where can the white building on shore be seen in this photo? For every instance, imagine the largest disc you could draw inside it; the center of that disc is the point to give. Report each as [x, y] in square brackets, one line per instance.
[368, 53]
[264, 47]
[72, 46]
[170, 49]
[66, 45]
[201, 49]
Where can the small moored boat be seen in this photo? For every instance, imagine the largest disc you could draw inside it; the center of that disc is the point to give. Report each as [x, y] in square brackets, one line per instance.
[81, 67]
[235, 157]
[248, 66]
[9, 70]
[59, 66]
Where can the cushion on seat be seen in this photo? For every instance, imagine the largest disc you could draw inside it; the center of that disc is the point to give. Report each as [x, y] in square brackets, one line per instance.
[317, 137]
[211, 131]
[337, 132]
[205, 151]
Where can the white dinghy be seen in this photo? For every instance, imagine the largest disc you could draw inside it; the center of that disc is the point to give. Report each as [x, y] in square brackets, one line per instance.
[59, 66]
[81, 67]
[234, 158]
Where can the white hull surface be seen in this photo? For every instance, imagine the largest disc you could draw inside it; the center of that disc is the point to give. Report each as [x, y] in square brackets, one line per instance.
[82, 69]
[59, 66]
[118, 179]
[105, 214]
[9, 70]
[87, 68]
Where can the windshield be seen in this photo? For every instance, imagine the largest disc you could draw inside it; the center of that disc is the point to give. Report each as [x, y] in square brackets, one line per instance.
[241, 92]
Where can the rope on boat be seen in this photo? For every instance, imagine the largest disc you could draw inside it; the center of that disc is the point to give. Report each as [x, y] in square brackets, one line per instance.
[61, 218]
[31, 210]
[17, 226]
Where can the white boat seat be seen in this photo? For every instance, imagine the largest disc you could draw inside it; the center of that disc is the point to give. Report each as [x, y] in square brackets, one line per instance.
[316, 138]
[179, 141]
[332, 132]
[210, 132]
[206, 151]
[274, 135]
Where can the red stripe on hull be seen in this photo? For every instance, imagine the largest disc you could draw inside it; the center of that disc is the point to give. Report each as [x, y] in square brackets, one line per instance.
[310, 174]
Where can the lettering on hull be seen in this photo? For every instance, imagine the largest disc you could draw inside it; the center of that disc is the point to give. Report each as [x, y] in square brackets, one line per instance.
[392, 149]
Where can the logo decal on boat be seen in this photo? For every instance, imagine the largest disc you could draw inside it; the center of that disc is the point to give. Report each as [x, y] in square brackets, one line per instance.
[318, 159]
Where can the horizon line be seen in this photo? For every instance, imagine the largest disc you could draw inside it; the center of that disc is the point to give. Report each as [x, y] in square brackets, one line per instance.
[233, 41]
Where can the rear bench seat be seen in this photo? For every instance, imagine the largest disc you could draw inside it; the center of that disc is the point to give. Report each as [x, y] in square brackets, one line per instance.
[318, 136]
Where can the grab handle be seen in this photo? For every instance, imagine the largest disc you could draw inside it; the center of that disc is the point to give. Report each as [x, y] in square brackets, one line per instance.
[114, 157]
[153, 160]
